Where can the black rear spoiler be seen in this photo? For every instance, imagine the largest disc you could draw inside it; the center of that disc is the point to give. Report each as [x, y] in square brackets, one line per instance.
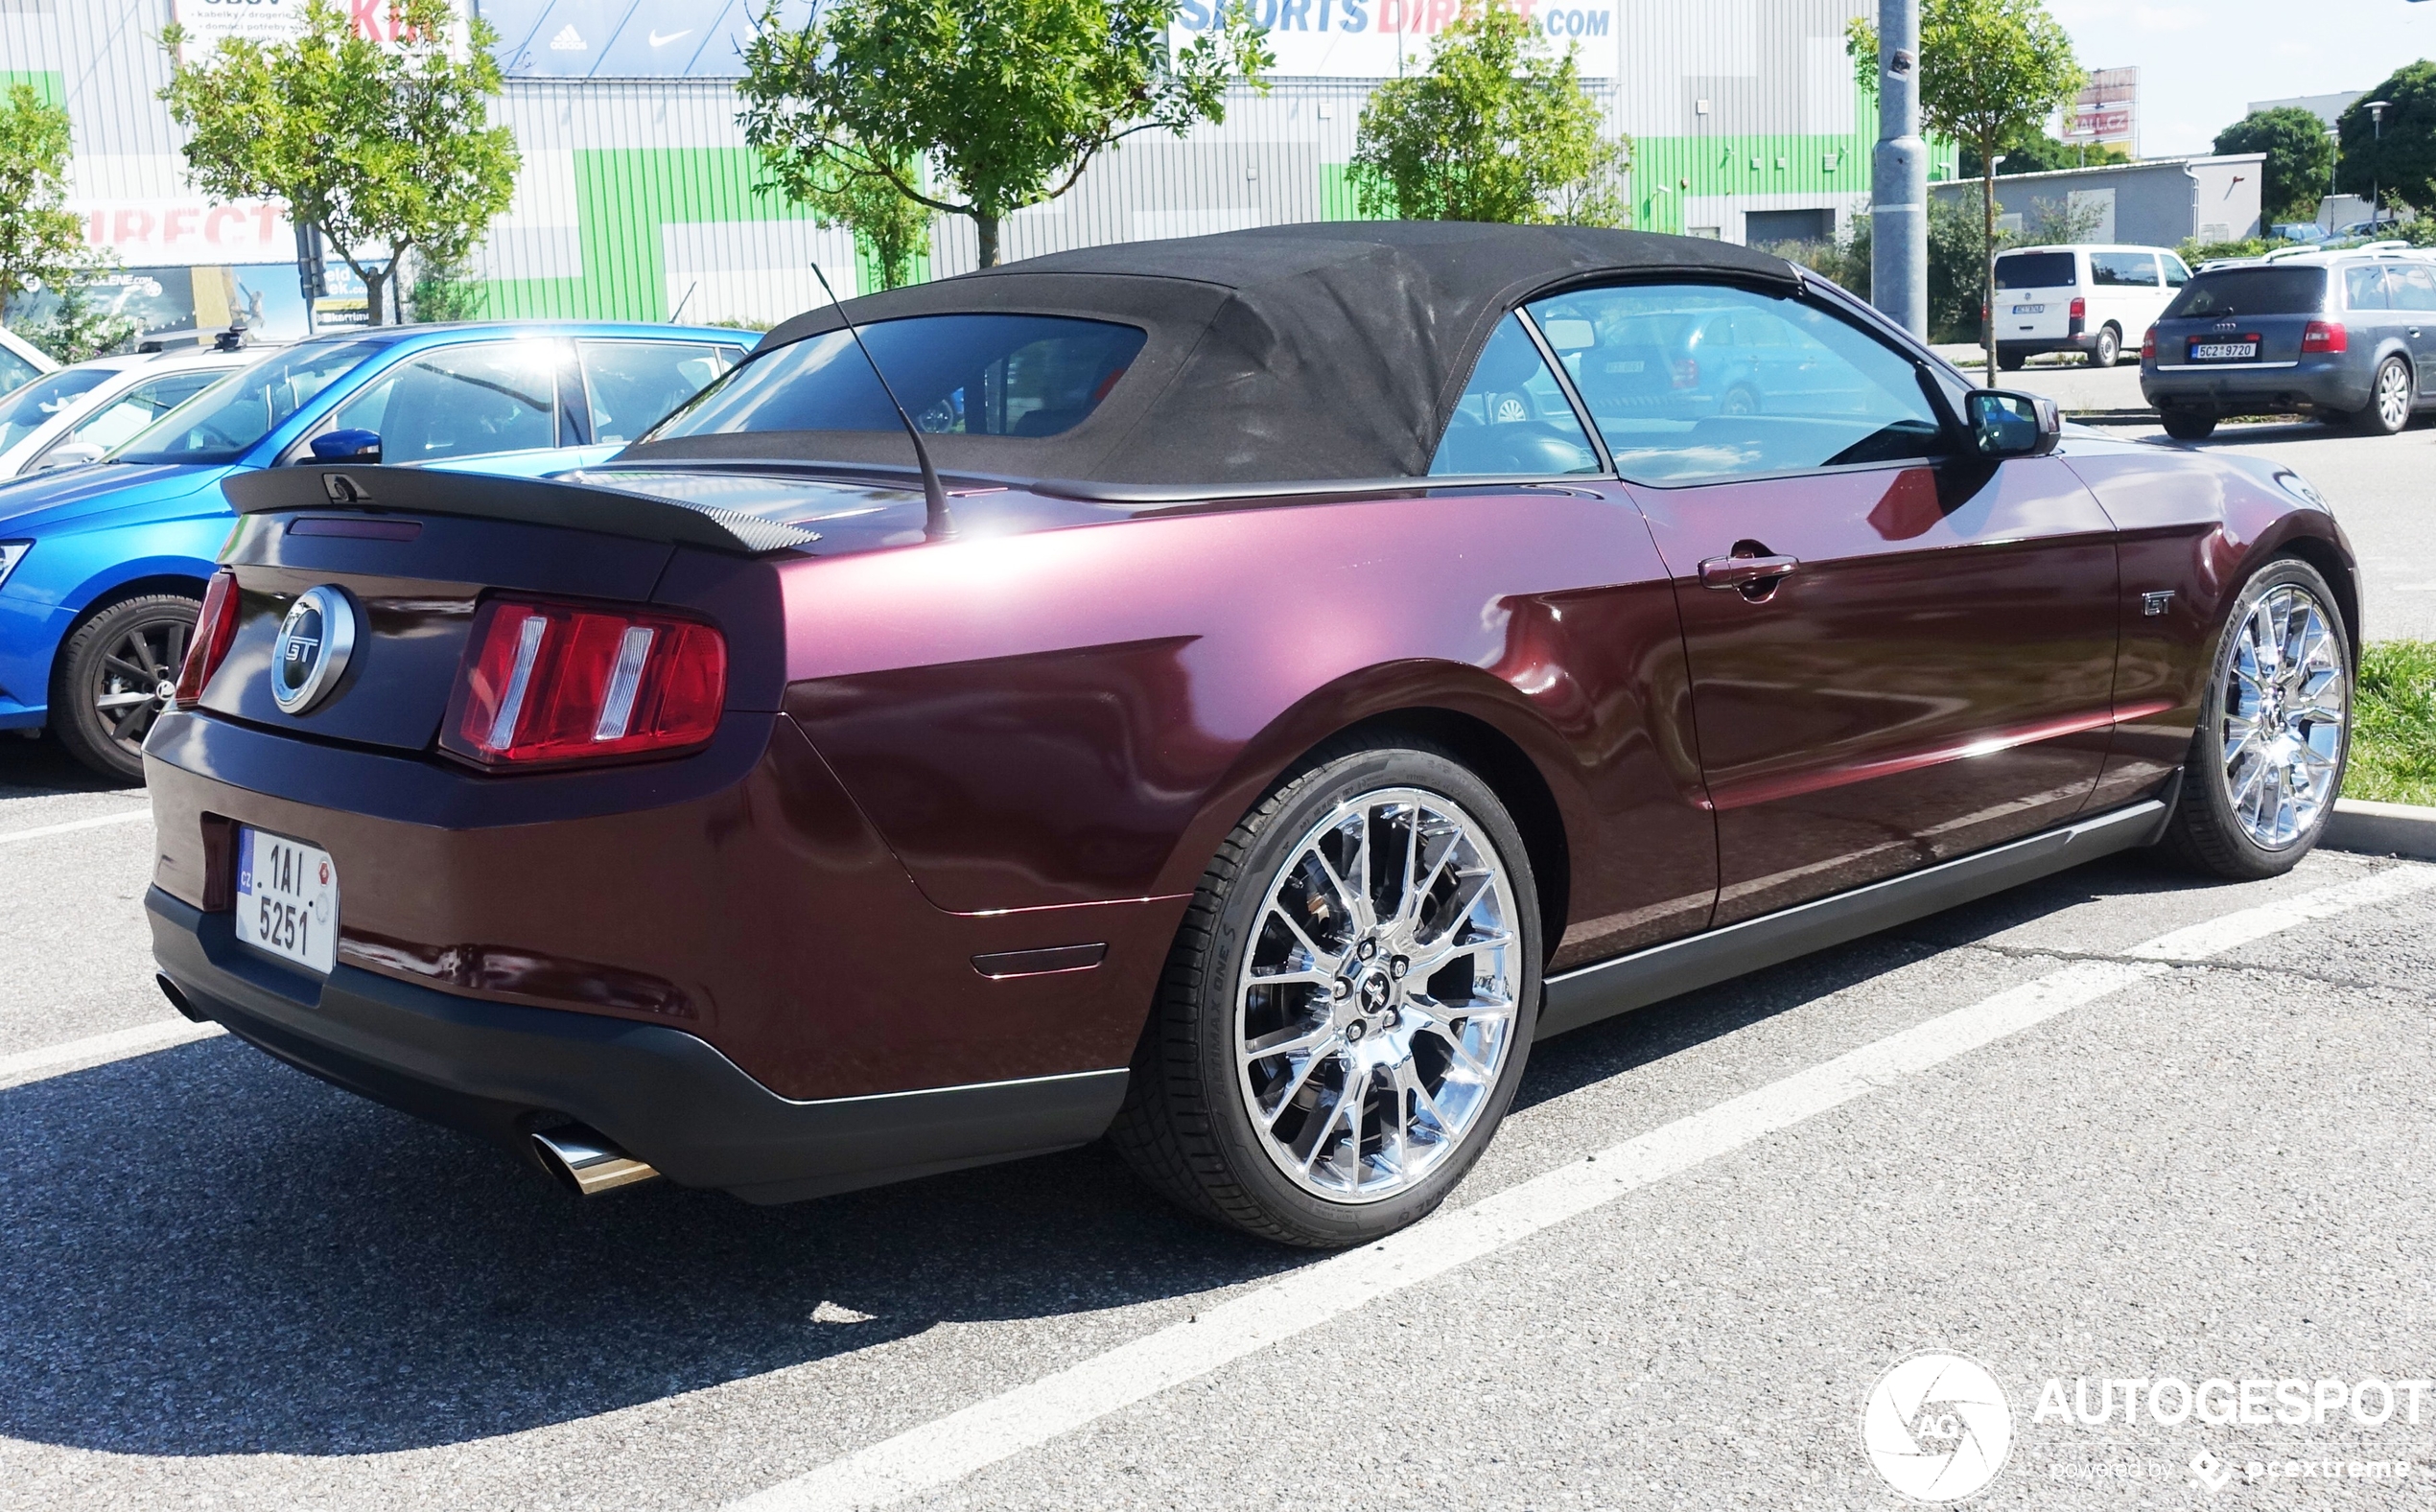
[525, 501]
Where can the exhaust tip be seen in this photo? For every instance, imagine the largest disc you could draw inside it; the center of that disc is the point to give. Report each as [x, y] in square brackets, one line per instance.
[178, 999]
[586, 1163]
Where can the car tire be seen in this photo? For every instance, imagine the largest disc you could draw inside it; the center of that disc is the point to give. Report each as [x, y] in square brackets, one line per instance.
[1259, 1141]
[2011, 364]
[2268, 724]
[101, 668]
[2388, 410]
[1739, 400]
[2186, 424]
[2108, 349]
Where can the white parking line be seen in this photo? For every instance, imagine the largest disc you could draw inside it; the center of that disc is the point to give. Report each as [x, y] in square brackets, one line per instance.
[76, 1054]
[948, 1449]
[39, 831]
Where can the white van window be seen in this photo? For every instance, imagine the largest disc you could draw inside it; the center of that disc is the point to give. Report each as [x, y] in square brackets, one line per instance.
[2036, 270]
[2123, 269]
[2176, 274]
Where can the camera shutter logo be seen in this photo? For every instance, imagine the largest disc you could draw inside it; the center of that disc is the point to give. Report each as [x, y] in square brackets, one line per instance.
[1937, 1427]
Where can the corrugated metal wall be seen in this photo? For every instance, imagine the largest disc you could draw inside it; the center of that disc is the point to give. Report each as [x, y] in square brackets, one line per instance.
[638, 197]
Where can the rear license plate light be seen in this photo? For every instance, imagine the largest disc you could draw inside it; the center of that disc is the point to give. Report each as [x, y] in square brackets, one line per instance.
[545, 684]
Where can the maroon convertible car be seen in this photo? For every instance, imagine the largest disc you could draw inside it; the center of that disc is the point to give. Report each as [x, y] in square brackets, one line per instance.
[1324, 660]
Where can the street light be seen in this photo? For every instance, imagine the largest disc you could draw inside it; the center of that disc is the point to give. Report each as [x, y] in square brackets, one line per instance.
[2377, 109]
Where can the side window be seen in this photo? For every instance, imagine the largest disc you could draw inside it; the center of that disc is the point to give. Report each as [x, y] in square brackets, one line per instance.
[2414, 287]
[139, 407]
[632, 386]
[1676, 409]
[15, 372]
[2176, 275]
[1513, 417]
[2122, 269]
[466, 401]
[2364, 287]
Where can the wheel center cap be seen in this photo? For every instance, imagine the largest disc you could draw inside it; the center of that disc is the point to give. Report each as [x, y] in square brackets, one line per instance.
[1373, 991]
[165, 692]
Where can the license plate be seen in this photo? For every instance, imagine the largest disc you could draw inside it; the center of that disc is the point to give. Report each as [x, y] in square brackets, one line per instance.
[2029, 309]
[286, 899]
[2222, 351]
[1625, 368]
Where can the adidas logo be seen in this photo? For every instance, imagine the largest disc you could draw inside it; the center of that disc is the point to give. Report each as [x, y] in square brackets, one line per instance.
[568, 40]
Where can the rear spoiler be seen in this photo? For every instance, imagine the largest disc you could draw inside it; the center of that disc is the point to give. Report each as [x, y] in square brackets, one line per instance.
[524, 501]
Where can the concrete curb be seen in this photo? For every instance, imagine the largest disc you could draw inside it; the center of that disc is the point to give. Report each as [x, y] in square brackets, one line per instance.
[2385, 829]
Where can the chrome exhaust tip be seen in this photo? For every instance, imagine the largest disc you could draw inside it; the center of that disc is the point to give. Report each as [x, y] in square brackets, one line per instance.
[586, 1163]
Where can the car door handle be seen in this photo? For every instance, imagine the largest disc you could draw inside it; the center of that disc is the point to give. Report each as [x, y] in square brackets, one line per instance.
[1740, 572]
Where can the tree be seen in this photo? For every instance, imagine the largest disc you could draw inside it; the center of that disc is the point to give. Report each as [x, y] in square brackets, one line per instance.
[2300, 158]
[40, 241]
[1008, 100]
[2034, 152]
[2398, 158]
[1497, 128]
[1991, 72]
[891, 227]
[380, 145]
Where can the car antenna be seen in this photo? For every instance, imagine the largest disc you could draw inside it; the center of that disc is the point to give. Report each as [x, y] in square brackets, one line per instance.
[937, 524]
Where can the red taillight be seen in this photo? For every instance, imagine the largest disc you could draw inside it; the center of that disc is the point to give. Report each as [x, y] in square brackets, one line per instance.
[2325, 335]
[2080, 309]
[1687, 373]
[2148, 346]
[214, 630]
[547, 682]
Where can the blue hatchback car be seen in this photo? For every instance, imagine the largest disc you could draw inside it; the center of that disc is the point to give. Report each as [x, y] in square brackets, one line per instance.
[103, 567]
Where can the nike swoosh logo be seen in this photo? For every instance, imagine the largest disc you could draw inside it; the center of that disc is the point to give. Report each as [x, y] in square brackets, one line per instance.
[657, 41]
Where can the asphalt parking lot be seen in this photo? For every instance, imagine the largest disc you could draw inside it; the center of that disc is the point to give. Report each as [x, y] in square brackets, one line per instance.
[2120, 1125]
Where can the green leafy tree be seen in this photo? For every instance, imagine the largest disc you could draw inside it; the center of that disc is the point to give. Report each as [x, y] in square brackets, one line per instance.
[2034, 152]
[1009, 101]
[41, 244]
[850, 188]
[2400, 159]
[2300, 158]
[382, 145]
[1991, 72]
[1497, 128]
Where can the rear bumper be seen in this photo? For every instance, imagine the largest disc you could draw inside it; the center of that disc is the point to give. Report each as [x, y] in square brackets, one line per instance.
[2308, 385]
[500, 1070]
[2039, 346]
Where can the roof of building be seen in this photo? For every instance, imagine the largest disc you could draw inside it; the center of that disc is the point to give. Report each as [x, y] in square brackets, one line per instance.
[1323, 351]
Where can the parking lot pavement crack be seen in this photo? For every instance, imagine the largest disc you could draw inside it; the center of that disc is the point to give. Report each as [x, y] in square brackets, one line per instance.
[2214, 968]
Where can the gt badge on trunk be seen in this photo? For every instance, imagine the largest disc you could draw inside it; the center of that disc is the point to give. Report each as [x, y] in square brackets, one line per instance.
[314, 641]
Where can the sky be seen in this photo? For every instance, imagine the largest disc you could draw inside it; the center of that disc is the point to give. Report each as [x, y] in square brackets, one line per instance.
[2202, 62]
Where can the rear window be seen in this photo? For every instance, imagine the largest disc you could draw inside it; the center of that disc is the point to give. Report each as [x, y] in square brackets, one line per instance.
[2036, 270]
[998, 375]
[2251, 291]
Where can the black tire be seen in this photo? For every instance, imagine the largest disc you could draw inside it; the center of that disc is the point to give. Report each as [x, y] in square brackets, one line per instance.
[2012, 363]
[1187, 1125]
[2206, 833]
[2189, 424]
[108, 658]
[2388, 410]
[1739, 400]
[2108, 350]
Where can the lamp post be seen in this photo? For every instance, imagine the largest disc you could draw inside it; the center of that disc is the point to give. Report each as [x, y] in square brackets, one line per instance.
[2377, 109]
[1899, 174]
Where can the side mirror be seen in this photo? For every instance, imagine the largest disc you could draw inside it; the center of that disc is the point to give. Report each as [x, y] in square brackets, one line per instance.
[1570, 335]
[66, 455]
[347, 445]
[2005, 424]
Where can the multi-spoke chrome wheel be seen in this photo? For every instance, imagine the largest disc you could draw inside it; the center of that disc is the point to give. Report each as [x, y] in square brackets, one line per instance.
[2389, 408]
[1376, 1005]
[2287, 706]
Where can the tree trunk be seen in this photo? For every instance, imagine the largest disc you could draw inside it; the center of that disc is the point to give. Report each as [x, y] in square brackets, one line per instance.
[987, 225]
[372, 284]
[1987, 271]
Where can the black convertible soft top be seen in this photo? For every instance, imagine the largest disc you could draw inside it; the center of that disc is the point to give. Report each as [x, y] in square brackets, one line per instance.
[1325, 351]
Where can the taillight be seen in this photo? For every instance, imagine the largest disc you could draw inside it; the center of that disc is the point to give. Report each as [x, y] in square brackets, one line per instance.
[2325, 335]
[1687, 373]
[2148, 346]
[545, 684]
[213, 631]
[2080, 309]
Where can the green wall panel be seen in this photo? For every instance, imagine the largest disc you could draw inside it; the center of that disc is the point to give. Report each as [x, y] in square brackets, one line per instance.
[52, 88]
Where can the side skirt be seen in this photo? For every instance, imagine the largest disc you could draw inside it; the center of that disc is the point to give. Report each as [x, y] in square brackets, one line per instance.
[1590, 994]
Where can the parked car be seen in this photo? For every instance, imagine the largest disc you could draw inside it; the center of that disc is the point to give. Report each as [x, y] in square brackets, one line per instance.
[2087, 299]
[2304, 233]
[74, 415]
[103, 568]
[1268, 727]
[2346, 336]
[21, 361]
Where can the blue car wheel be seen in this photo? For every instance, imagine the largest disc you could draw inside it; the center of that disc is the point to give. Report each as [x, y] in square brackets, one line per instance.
[115, 675]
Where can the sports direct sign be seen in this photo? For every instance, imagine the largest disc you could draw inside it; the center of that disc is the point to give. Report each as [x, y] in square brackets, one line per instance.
[146, 233]
[1381, 39]
[271, 21]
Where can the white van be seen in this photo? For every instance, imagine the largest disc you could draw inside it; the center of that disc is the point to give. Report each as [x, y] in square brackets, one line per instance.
[2087, 299]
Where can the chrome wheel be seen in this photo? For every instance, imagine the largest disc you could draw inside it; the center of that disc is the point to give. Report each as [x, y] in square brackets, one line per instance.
[1376, 1006]
[138, 675]
[2394, 395]
[2287, 709]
